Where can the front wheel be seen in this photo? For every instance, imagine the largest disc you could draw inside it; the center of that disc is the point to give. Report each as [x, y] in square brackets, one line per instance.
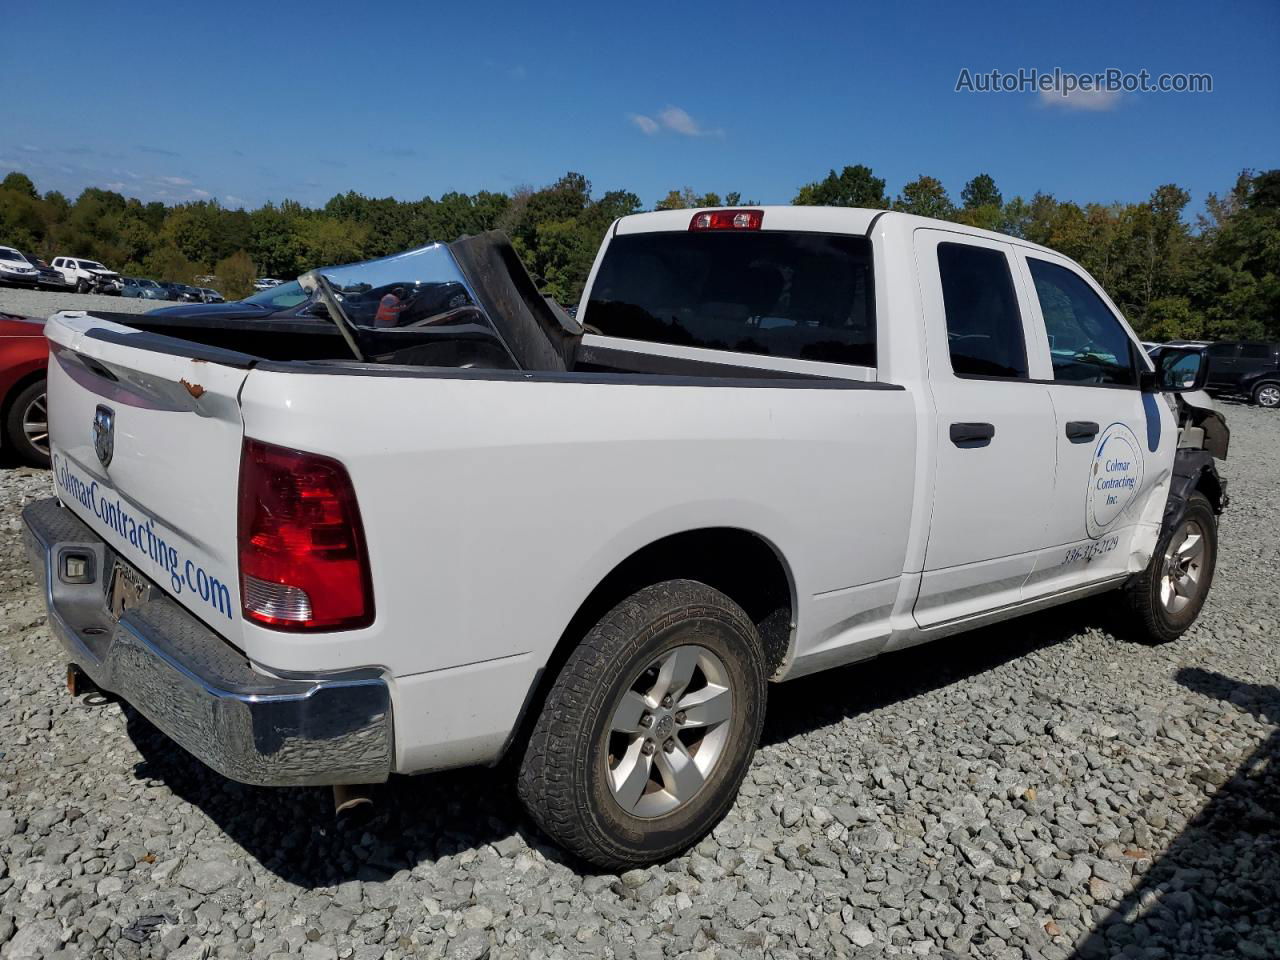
[649, 729]
[1267, 395]
[82, 286]
[1167, 597]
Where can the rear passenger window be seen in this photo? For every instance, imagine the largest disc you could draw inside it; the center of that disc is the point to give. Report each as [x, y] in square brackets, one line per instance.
[1086, 342]
[1255, 351]
[984, 326]
[776, 293]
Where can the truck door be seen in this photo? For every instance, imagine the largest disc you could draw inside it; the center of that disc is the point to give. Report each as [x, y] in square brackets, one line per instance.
[994, 464]
[1115, 444]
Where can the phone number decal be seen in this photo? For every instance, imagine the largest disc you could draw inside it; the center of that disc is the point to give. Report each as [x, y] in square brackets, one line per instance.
[1083, 554]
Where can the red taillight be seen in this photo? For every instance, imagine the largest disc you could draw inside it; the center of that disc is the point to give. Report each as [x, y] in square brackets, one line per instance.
[727, 220]
[303, 561]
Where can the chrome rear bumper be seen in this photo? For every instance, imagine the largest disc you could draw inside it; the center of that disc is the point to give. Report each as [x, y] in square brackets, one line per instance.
[198, 689]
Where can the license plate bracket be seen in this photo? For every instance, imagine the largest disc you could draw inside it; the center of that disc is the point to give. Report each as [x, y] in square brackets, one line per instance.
[126, 589]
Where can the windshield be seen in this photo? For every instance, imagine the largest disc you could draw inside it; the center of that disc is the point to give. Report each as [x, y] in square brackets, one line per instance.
[92, 265]
[279, 298]
[411, 308]
[12, 255]
[413, 289]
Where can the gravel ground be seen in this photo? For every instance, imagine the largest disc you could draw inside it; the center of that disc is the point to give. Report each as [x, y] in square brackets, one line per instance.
[1043, 790]
[45, 303]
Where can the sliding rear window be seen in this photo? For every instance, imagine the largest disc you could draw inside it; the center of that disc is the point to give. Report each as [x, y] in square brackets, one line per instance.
[779, 294]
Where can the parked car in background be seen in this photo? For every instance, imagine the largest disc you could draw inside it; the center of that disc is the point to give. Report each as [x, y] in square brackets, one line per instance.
[150, 289]
[49, 278]
[142, 288]
[15, 268]
[88, 276]
[181, 292]
[266, 283]
[283, 303]
[1245, 368]
[24, 419]
[209, 295]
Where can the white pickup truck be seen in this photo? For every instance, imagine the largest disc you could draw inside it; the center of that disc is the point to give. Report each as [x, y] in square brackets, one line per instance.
[452, 525]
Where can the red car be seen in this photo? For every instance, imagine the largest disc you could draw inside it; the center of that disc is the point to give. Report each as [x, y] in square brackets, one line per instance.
[24, 420]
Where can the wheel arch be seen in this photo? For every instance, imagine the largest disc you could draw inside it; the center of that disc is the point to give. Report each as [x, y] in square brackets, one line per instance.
[745, 566]
[1194, 472]
[1272, 380]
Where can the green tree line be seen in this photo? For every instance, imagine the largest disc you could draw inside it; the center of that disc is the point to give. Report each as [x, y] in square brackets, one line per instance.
[1218, 277]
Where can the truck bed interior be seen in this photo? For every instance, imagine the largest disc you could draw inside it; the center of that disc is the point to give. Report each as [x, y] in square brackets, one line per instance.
[528, 334]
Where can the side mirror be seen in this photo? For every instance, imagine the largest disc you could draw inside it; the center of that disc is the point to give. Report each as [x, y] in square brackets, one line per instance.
[1178, 370]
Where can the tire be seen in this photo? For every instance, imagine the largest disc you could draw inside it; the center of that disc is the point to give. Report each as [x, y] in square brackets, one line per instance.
[82, 286]
[1160, 611]
[572, 779]
[26, 409]
[1267, 395]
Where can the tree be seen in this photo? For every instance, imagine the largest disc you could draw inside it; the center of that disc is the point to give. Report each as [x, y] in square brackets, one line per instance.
[854, 186]
[168, 263]
[19, 183]
[325, 241]
[686, 199]
[1171, 318]
[236, 274]
[925, 197]
[1218, 279]
[981, 191]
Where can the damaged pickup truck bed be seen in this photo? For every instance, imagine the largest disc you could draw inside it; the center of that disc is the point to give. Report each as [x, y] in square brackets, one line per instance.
[454, 525]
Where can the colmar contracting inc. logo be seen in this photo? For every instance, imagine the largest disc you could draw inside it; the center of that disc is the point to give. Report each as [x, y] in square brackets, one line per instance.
[1114, 479]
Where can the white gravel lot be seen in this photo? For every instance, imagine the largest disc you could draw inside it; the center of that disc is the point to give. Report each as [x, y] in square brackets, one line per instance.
[45, 303]
[1042, 790]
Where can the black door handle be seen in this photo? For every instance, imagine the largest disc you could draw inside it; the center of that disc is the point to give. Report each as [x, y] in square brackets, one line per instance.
[1081, 431]
[972, 434]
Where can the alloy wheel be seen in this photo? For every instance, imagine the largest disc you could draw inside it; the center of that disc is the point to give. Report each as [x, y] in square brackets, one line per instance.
[35, 423]
[1183, 564]
[668, 731]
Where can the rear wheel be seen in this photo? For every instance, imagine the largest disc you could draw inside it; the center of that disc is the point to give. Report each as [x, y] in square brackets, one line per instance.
[1267, 395]
[649, 728]
[1166, 599]
[27, 425]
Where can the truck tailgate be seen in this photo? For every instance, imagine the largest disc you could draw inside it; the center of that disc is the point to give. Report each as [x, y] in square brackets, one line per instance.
[145, 433]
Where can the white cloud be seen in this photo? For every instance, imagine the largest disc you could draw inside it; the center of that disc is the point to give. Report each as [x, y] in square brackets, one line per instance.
[647, 125]
[201, 193]
[175, 181]
[674, 119]
[30, 148]
[234, 201]
[1096, 100]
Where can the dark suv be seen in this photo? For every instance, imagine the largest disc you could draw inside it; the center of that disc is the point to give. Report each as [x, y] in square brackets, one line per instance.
[1245, 368]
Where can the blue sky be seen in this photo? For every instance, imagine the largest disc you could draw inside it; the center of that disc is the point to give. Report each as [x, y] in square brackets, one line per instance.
[249, 102]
